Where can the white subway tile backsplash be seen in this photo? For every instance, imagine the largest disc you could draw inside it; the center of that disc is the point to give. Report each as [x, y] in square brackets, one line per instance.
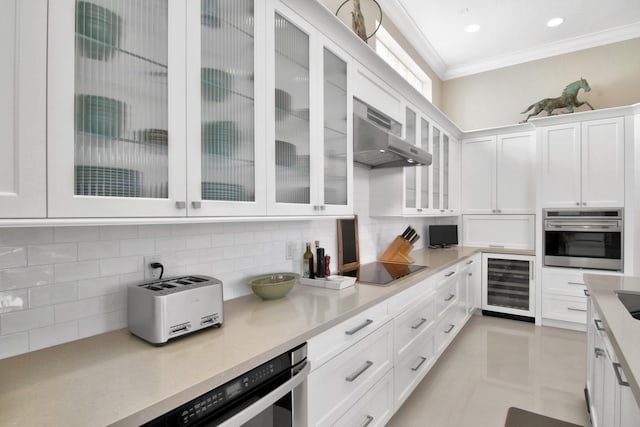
[98, 249]
[199, 242]
[171, 244]
[13, 256]
[14, 344]
[53, 294]
[115, 232]
[25, 236]
[137, 247]
[182, 258]
[53, 254]
[68, 311]
[211, 255]
[156, 230]
[14, 278]
[53, 335]
[14, 300]
[121, 265]
[222, 240]
[99, 286]
[76, 271]
[75, 234]
[20, 321]
[185, 229]
[113, 302]
[101, 323]
[127, 279]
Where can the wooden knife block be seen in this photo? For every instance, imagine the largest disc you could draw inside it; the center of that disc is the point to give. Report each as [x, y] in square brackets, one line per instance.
[398, 251]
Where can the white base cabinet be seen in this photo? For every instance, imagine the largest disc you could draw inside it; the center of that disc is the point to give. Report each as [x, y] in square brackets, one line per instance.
[499, 231]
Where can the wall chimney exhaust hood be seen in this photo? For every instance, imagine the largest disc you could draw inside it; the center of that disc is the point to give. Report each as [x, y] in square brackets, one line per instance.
[377, 142]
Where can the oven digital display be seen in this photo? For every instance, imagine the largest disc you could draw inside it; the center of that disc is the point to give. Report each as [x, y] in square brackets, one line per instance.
[233, 389]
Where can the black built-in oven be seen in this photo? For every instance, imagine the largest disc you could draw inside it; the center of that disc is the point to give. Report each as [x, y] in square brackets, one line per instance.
[584, 238]
[266, 396]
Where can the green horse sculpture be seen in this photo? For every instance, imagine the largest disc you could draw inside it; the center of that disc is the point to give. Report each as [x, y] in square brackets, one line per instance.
[568, 100]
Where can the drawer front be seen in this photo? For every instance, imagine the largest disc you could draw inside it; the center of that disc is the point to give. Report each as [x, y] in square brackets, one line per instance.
[411, 325]
[322, 347]
[565, 308]
[562, 282]
[447, 295]
[338, 384]
[412, 367]
[445, 329]
[374, 409]
[445, 274]
[400, 302]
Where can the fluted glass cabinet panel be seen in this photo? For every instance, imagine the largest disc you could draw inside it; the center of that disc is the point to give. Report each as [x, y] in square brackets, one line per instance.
[445, 171]
[335, 130]
[424, 170]
[292, 130]
[227, 100]
[435, 167]
[410, 172]
[121, 101]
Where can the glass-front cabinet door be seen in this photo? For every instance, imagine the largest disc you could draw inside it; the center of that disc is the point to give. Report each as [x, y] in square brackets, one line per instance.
[436, 168]
[309, 158]
[410, 173]
[225, 106]
[425, 182]
[116, 108]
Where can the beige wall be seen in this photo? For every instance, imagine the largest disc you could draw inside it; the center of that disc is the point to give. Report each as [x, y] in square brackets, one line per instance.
[496, 98]
[370, 12]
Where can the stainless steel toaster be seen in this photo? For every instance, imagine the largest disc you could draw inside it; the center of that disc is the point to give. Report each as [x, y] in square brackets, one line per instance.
[160, 310]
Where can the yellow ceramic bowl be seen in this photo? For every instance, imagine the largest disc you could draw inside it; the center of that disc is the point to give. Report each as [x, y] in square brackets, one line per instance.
[274, 285]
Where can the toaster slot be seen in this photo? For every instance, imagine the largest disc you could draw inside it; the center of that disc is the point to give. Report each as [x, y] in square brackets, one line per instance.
[208, 320]
[181, 328]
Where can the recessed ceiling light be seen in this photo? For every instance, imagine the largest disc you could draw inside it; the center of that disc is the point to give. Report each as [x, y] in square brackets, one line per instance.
[472, 28]
[554, 22]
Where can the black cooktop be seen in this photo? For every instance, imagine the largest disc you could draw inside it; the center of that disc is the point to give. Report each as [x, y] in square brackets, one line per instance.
[383, 273]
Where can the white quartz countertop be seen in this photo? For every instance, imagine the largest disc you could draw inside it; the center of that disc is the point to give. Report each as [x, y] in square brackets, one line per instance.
[623, 330]
[116, 378]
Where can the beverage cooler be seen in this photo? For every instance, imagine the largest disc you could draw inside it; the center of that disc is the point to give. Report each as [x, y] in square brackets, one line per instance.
[508, 286]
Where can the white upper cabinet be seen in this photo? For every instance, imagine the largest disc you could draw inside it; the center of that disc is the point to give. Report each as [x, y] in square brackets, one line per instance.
[498, 174]
[23, 55]
[226, 102]
[583, 164]
[309, 154]
[116, 109]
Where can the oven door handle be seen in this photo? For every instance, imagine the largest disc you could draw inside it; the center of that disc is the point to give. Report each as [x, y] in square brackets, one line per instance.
[255, 409]
[582, 226]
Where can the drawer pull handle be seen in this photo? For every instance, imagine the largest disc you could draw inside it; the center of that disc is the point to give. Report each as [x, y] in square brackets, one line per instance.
[449, 274]
[420, 323]
[357, 328]
[450, 297]
[351, 378]
[586, 293]
[576, 309]
[422, 360]
[616, 368]
[598, 324]
[496, 246]
[598, 352]
[367, 421]
[470, 262]
[576, 283]
[450, 329]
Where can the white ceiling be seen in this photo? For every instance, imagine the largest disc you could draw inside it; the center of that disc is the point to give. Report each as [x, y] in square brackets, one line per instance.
[512, 31]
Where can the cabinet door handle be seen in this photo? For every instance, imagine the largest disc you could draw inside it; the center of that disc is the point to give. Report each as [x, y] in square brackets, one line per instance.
[357, 328]
[422, 360]
[441, 210]
[598, 352]
[420, 323]
[322, 207]
[181, 205]
[450, 297]
[616, 368]
[577, 203]
[496, 246]
[449, 274]
[576, 309]
[575, 283]
[419, 209]
[586, 293]
[598, 324]
[367, 421]
[196, 205]
[351, 378]
[450, 329]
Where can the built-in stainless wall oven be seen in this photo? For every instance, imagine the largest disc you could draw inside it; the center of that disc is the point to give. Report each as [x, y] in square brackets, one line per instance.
[584, 238]
[267, 396]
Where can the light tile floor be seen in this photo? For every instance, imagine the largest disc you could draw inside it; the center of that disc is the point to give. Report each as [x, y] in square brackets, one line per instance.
[496, 363]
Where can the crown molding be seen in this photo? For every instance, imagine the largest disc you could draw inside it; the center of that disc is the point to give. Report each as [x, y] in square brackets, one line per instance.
[545, 51]
[403, 21]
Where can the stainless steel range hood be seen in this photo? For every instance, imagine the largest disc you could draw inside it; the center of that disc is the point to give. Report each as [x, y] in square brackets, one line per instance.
[376, 140]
